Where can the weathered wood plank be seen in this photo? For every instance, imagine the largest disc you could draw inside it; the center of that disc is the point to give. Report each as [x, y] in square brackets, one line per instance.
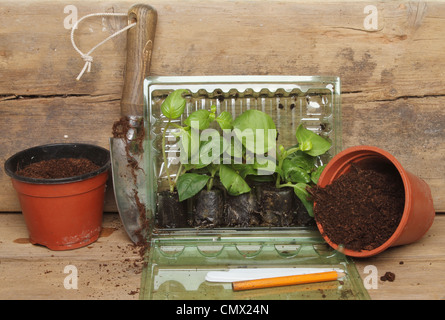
[392, 77]
[412, 129]
[110, 268]
[37, 121]
[417, 266]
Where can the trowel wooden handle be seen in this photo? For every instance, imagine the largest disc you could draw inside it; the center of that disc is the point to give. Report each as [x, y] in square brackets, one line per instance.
[139, 50]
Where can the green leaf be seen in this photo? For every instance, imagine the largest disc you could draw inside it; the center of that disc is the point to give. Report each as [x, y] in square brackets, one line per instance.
[248, 123]
[293, 173]
[303, 195]
[188, 166]
[306, 146]
[232, 181]
[302, 160]
[233, 147]
[190, 184]
[244, 170]
[173, 106]
[213, 169]
[212, 149]
[185, 145]
[203, 117]
[297, 166]
[315, 175]
[225, 120]
[265, 166]
[306, 137]
[279, 171]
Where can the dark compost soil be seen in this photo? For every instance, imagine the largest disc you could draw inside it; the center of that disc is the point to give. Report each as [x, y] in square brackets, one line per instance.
[241, 211]
[388, 276]
[278, 206]
[171, 212]
[362, 208]
[264, 206]
[208, 209]
[58, 168]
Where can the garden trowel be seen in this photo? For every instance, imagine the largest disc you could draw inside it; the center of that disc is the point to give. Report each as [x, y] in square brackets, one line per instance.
[127, 144]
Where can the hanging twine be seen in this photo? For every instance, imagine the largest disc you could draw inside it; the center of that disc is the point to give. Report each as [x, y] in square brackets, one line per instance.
[87, 56]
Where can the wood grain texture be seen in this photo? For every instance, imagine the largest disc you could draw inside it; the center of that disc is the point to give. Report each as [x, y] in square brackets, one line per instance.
[111, 267]
[392, 77]
[140, 41]
[108, 269]
[417, 268]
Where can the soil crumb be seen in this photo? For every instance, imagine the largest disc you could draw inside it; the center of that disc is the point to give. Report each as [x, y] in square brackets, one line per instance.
[388, 276]
[121, 127]
[362, 208]
[58, 168]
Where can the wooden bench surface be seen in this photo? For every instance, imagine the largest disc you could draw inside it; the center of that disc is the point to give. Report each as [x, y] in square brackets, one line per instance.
[111, 267]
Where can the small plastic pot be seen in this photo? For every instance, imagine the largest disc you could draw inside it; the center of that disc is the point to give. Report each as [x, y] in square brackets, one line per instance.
[64, 213]
[418, 214]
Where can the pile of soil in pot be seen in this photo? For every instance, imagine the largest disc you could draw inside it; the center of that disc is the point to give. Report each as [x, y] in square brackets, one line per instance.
[362, 208]
[58, 168]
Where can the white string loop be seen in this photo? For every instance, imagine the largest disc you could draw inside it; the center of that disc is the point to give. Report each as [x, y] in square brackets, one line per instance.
[87, 56]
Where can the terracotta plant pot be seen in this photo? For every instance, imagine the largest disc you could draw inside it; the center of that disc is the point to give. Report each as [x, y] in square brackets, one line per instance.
[63, 213]
[418, 214]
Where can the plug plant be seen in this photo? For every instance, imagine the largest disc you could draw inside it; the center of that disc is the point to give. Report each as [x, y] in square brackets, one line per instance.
[227, 164]
[231, 162]
[299, 166]
[172, 213]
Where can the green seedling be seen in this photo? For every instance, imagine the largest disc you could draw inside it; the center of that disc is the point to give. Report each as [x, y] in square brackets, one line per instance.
[298, 166]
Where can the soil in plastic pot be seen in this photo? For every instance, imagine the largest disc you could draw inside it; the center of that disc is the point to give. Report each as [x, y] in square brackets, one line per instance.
[58, 168]
[277, 206]
[208, 208]
[171, 212]
[241, 211]
[60, 188]
[362, 208]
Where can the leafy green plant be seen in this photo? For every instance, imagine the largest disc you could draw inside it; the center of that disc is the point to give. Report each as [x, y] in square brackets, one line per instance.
[252, 129]
[202, 173]
[297, 166]
[232, 181]
[232, 176]
[172, 108]
[258, 124]
[190, 183]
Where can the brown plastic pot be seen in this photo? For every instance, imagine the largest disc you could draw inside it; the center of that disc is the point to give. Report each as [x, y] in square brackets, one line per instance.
[65, 213]
[418, 214]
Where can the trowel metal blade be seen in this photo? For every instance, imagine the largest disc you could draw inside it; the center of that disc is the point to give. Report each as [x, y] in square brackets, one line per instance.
[129, 191]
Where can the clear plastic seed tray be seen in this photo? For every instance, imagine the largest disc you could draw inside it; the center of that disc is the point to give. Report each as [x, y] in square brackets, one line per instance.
[180, 257]
[313, 102]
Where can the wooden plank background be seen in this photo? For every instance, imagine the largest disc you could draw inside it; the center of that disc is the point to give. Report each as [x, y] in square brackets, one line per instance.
[393, 81]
